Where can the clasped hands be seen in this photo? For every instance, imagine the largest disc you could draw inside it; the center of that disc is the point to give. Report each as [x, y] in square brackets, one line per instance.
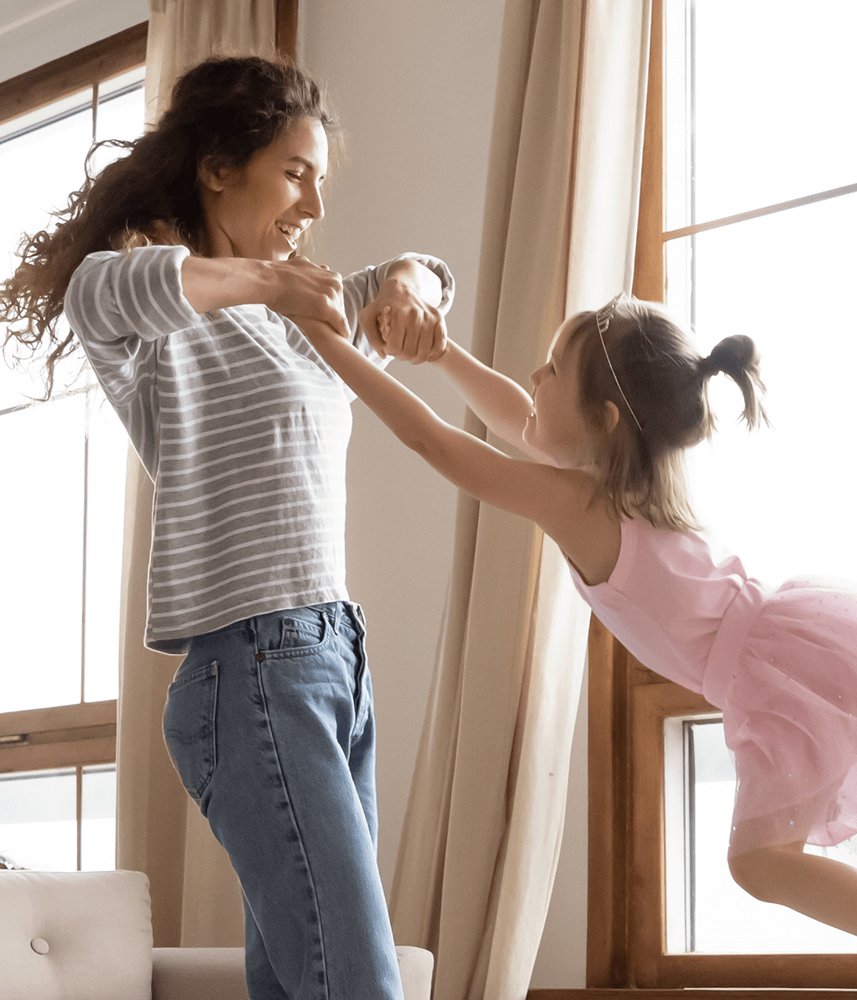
[398, 323]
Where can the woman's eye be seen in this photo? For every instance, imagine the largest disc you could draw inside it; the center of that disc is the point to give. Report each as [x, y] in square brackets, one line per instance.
[294, 175]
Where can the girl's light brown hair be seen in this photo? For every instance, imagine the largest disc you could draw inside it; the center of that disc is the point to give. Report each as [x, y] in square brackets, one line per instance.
[664, 380]
[222, 111]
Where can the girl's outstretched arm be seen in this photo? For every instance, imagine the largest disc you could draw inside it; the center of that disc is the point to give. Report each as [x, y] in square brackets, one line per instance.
[558, 500]
[499, 402]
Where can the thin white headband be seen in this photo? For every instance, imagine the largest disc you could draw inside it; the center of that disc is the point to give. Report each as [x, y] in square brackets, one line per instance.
[602, 320]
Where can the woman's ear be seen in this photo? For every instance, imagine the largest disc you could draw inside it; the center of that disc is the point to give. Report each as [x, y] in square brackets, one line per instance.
[611, 416]
[211, 176]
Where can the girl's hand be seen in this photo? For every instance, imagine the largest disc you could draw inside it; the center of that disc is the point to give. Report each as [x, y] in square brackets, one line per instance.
[302, 288]
[413, 330]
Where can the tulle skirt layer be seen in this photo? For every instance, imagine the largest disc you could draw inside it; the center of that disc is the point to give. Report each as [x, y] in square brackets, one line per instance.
[788, 690]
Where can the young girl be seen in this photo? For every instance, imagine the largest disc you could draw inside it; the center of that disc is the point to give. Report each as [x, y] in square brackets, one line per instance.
[178, 274]
[621, 396]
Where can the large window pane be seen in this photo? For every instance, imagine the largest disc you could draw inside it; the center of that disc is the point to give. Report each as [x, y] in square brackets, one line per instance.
[772, 84]
[784, 280]
[38, 819]
[41, 510]
[714, 915]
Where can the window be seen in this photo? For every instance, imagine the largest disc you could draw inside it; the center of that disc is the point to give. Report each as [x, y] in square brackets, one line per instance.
[62, 507]
[750, 197]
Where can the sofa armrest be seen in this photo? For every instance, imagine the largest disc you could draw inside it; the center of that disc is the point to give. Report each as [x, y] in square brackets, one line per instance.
[198, 974]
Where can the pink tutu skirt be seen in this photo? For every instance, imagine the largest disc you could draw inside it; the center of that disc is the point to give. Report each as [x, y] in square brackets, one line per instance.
[783, 668]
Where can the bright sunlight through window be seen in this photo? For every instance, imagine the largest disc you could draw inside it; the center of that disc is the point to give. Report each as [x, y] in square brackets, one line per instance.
[759, 112]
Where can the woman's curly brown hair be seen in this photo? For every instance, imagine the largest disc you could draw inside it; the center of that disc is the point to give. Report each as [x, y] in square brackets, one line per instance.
[221, 112]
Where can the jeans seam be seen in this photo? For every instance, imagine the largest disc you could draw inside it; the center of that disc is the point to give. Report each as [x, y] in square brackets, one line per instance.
[294, 818]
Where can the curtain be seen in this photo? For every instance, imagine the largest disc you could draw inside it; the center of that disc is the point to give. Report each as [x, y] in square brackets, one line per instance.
[184, 32]
[196, 899]
[485, 818]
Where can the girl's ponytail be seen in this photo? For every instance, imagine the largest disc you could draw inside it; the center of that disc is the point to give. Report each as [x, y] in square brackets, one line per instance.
[737, 357]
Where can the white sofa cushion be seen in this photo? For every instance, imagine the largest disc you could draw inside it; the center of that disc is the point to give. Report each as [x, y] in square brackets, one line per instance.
[75, 936]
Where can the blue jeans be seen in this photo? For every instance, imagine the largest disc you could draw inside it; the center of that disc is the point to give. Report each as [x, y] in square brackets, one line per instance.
[270, 725]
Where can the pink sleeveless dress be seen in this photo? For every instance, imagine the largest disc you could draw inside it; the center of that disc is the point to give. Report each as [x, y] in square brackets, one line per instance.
[781, 664]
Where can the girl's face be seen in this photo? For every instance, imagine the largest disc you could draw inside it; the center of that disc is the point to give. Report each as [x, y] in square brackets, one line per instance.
[557, 427]
[261, 209]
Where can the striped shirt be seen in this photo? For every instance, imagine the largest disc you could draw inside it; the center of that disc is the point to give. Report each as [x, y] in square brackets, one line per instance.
[243, 428]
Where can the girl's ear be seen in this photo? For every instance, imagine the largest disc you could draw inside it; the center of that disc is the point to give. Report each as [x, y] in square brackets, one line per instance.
[611, 416]
[212, 177]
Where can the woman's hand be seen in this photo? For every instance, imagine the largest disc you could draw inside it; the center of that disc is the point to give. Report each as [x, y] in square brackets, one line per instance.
[413, 328]
[294, 287]
[302, 288]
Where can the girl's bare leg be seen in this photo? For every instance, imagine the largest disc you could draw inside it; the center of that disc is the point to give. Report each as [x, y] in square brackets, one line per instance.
[822, 888]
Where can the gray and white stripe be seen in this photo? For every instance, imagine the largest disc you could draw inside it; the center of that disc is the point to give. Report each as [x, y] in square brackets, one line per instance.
[242, 427]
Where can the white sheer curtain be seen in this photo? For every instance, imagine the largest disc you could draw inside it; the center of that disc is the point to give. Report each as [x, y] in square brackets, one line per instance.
[196, 899]
[484, 823]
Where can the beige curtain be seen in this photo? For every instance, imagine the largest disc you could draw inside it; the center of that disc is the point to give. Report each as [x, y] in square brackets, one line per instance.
[184, 32]
[196, 900]
[485, 818]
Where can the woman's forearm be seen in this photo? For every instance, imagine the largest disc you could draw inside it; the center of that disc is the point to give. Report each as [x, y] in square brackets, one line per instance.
[211, 283]
[294, 287]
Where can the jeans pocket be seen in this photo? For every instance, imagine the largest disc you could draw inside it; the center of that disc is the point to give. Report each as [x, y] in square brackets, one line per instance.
[189, 727]
[303, 632]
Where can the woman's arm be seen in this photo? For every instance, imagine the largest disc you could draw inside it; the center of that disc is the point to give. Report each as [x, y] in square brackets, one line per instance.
[294, 287]
[413, 294]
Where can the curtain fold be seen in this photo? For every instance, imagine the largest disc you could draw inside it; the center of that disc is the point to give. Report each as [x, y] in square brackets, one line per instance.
[196, 898]
[484, 823]
[184, 32]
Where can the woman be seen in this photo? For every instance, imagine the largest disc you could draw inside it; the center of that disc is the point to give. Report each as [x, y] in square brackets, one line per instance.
[178, 271]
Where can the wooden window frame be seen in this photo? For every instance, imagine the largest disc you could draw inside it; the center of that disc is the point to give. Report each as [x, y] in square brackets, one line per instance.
[628, 706]
[84, 733]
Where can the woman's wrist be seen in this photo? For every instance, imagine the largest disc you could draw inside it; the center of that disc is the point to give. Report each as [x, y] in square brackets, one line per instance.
[409, 274]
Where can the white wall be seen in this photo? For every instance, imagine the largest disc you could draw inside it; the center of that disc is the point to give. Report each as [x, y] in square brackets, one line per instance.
[414, 84]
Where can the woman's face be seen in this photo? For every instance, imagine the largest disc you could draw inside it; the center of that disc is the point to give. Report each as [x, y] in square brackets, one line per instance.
[261, 209]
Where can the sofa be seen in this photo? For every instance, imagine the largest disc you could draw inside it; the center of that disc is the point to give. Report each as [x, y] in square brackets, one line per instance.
[88, 936]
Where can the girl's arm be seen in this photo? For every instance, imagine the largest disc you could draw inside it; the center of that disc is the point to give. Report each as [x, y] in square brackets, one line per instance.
[558, 500]
[499, 402]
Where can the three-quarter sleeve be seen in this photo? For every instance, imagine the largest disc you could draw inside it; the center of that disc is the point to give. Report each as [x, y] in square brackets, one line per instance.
[119, 305]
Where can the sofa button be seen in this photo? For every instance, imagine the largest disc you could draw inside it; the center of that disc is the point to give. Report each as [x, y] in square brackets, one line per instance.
[40, 946]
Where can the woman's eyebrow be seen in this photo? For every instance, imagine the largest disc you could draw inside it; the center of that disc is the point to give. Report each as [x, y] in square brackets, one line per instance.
[301, 159]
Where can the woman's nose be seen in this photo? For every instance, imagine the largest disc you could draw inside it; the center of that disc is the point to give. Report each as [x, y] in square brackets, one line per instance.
[313, 204]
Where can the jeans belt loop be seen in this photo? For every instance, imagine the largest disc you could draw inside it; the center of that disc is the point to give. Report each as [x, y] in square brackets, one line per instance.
[337, 614]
